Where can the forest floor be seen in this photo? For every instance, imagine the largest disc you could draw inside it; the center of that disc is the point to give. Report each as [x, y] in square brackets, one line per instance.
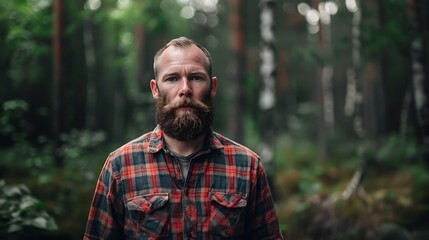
[387, 204]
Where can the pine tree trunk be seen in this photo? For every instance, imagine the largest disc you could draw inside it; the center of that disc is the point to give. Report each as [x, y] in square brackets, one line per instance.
[56, 45]
[90, 62]
[235, 119]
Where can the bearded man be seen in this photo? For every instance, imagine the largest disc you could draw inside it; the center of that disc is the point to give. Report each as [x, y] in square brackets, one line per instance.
[182, 180]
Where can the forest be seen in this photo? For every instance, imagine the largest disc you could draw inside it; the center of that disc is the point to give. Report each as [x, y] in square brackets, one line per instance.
[332, 94]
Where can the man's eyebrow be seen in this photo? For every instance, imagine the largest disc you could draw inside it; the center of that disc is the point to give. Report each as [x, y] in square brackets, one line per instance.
[171, 74]
[198, 72]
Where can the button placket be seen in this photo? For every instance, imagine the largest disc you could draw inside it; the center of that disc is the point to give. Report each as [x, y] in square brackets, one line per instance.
[190, 213]
[174, 170]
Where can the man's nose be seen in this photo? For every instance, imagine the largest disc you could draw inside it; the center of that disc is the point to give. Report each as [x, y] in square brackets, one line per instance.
[185, 90]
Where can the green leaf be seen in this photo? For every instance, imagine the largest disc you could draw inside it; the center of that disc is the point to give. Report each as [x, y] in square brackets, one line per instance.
[28, 202]
[14, 228]
[40, 222]
[19, 209]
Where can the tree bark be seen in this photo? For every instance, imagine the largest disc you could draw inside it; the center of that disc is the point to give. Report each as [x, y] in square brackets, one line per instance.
[235, 120]
[90, 62]
[56, 102]
[267, 98]
[420, 71]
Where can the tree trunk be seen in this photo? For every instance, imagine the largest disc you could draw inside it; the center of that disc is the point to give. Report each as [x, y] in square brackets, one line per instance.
[327, 74]
[319, 97]
[56, 45]
[354, 99]
[235, 120]
[419, 71]
[267, 98]
[90, 61]
[139, 43]
[326, 79]
[353, 106]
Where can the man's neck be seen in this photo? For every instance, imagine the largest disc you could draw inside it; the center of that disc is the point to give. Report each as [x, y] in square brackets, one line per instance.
[184, 148]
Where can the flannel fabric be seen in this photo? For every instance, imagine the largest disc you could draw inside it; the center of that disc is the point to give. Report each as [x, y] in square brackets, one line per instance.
[141, 194]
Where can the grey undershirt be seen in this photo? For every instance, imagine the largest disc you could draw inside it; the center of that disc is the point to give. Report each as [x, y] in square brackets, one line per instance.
[184, 162]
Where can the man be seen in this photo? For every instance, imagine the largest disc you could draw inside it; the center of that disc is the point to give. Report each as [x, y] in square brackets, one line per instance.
[182, 180]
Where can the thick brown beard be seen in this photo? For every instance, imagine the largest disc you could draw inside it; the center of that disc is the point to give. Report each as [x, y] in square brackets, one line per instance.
[189, 124]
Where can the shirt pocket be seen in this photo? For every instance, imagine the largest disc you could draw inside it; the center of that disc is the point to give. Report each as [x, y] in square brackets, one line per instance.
[227, 214]
[150, 214]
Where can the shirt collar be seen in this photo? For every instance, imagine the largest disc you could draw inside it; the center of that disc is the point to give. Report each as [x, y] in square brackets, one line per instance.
[156, 143]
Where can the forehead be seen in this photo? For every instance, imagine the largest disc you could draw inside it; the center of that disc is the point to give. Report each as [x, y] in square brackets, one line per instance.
[174, 58]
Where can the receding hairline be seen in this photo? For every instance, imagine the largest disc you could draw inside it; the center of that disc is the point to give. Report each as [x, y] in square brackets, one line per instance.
[182, 42]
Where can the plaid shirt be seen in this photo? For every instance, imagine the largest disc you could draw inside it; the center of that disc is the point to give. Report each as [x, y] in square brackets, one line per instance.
[141, 194]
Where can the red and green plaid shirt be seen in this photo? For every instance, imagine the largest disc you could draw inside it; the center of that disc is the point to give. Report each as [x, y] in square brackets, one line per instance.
[141, 194]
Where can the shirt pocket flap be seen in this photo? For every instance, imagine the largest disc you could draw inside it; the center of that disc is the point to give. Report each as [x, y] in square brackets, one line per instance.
[229, 200]
[147, 203]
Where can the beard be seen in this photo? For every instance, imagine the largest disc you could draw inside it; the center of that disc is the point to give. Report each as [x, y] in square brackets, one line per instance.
[186, 124]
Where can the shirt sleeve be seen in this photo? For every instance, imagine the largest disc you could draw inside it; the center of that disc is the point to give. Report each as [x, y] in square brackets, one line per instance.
[106, 215]
[264, 223]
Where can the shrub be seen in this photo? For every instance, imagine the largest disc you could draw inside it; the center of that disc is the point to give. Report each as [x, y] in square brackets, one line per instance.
[21, 212]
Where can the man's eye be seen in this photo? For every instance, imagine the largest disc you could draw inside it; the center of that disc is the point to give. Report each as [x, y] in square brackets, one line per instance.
[171, 79]
[196, 78]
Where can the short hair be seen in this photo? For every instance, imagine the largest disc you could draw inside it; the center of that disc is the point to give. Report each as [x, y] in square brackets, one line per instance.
[182, 42]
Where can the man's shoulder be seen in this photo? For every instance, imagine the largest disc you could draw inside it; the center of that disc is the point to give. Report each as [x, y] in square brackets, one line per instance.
[232, 147]
[144, 143]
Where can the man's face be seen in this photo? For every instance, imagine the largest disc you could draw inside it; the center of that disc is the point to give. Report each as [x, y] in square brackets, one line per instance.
[183, 91]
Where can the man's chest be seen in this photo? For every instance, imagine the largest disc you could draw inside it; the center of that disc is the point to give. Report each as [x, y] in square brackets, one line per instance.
[159, 201]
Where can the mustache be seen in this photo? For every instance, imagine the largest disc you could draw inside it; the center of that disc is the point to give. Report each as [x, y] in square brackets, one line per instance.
[186, 102]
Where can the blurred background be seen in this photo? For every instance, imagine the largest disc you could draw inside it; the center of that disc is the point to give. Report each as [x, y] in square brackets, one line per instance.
[333, 95]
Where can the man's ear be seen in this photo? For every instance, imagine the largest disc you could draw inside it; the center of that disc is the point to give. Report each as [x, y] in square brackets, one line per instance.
[154, 89]
[214, 86]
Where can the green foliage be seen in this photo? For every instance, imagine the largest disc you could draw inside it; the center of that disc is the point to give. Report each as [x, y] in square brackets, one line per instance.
[12, 121]
[58, 189]
[391, 231]
[20, 211]
[28, 24]
[36, 160]
[25, 37]
[393, 33]
[395, 152]
[78, 142]
[391, 201]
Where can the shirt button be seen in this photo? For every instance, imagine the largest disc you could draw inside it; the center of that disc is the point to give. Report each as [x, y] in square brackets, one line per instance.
[178, 169]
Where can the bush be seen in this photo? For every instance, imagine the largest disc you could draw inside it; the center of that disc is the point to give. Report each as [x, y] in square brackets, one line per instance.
[21, 212]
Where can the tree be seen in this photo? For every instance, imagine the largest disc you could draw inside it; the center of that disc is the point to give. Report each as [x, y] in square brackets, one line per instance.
[235, 122]
[418, 19]
[267, 98]
[56, 46]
